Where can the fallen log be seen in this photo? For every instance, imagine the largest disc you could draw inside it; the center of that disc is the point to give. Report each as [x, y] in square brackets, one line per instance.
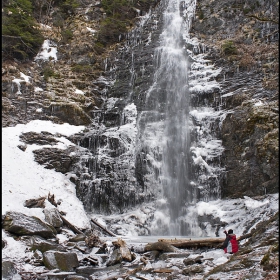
[103, 228]
[190, 243]
[248, 235]
[199, 243]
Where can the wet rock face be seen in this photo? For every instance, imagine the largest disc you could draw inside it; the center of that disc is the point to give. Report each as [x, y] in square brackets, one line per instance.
[249, 71]
[252, 159]
[53, 158]
[249, 90]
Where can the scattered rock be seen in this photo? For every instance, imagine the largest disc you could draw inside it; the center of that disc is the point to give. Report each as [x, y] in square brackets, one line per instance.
[9, 271]
[63, 261]
[39, 243]
[52, 216]
[192, 270]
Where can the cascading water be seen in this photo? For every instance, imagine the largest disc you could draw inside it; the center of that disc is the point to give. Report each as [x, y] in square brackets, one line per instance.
[165, 119]
[178, 126]
[160, 143]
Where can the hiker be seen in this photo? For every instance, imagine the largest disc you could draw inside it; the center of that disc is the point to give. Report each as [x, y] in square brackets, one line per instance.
[230, 244]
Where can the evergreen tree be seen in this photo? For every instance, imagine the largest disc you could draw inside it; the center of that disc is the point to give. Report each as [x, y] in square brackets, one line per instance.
[21, 38]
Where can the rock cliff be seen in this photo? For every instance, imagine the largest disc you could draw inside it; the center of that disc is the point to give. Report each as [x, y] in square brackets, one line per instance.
[240, 38]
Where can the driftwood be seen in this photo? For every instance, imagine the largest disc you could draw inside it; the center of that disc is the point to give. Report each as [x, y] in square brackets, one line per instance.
[72, 227]
[51, 199]
[35, 203]
[191, 243]
[199, 243]
[103, 228]
[163, 270]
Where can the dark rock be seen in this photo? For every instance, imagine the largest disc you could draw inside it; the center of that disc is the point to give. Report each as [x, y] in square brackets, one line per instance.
[53, 158]
[165, 256]
[52, 216]
[69, 113]
[43, 138]
[9, 270]
[77, 238]
[115, 258]
[191, 261]
[153, 255]
[93, 240]
[63, 261]
[21, 224]
[3, 244]
[35, 203]
[38, 243]
[191, 270]
[98, 271]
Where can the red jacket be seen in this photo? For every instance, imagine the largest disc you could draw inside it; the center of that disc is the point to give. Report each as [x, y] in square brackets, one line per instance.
[230, 244]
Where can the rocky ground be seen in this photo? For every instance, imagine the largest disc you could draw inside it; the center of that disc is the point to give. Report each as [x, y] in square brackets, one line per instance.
[59, 250]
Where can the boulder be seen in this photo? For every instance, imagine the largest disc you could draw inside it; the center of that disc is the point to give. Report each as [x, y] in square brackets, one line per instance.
[21, 224]
[52, 216]
[9, 271]
[63, 261]
[125, 252]
[39, 243]
[78, 237]
[191, 261]
[115, 258]
[191, 270]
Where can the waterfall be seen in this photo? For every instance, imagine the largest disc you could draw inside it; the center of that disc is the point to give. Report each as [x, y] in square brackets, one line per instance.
[157, 148]
[166, 131]
[176, 129]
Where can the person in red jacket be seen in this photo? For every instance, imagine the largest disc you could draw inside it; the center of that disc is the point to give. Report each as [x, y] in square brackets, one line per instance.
[230, 244]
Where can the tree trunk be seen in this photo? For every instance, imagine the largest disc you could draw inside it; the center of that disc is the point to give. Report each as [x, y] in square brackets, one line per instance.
[199, 243]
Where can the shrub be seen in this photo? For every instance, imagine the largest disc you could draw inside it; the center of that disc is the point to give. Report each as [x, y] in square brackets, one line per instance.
[229, 48]
[68, 6]
[200, 14]
[110, 31]
[82, 68]
[48, 72]
[67, 35]
[119, 14]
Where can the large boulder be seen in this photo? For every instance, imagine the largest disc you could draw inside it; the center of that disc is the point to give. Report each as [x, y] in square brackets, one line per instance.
[21, 224]
[63, 261]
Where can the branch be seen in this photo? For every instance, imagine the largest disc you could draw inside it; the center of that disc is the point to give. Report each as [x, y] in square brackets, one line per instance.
[263, 19]
[106, 230]
[72, 227]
